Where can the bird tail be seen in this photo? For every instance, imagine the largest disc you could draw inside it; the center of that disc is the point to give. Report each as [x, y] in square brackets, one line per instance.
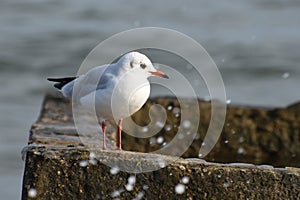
[61, 82]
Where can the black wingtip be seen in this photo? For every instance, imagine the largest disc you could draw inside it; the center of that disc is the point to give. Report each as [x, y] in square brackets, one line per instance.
[52, 79]
[60, 82]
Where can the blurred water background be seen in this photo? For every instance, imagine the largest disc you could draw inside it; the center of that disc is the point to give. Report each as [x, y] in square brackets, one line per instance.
[255, 44]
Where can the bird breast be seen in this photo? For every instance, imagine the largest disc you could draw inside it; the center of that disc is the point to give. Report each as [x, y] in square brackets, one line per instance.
[138, 98]
[129, 98]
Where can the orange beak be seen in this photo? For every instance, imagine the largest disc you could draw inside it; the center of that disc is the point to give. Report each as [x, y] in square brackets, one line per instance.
[160, 74]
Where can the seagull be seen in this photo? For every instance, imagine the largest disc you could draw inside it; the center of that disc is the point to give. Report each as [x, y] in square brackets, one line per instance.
[118, 90]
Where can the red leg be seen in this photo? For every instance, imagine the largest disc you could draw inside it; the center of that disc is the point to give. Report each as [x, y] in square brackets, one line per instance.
[120, 135]
[104, 135]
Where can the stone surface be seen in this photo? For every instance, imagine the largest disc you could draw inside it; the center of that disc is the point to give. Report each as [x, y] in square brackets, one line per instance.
[252, 135]
[59, 174]
[59, 166]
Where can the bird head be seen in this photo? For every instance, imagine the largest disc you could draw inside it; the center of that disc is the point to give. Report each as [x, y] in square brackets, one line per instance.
[141, 65]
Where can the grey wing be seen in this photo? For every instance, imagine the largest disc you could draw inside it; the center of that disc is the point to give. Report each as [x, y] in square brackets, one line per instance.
[93, 80]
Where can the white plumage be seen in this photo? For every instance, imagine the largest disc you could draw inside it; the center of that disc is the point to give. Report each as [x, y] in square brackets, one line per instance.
[118, 89]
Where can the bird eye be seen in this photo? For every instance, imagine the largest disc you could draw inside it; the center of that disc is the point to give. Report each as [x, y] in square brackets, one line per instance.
[143, 65]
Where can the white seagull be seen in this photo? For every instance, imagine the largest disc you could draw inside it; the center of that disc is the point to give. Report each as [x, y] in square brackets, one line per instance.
[118, 90]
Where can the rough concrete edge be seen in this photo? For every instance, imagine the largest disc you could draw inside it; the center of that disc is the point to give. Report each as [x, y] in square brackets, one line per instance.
[192, 161]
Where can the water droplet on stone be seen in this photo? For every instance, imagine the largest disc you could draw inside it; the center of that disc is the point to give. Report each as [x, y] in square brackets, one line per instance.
[32, 193]
[186, 124]
[129, 187]
[83, 163]
[180, 188]
[114, 170]
[139, 196]
[159, 124]
[168, 127]
[226, 185]
[131, 180]
[160, 140]
[93, 161]
[92, 155]
[185, 180]
[145, 187]
[145, 129]
[161, 162]
[116, 193]
[241, 150]
[170, 107]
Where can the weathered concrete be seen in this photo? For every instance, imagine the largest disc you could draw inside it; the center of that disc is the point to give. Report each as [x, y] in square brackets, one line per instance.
[57, 174]
[58, 166]
[251, 135]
